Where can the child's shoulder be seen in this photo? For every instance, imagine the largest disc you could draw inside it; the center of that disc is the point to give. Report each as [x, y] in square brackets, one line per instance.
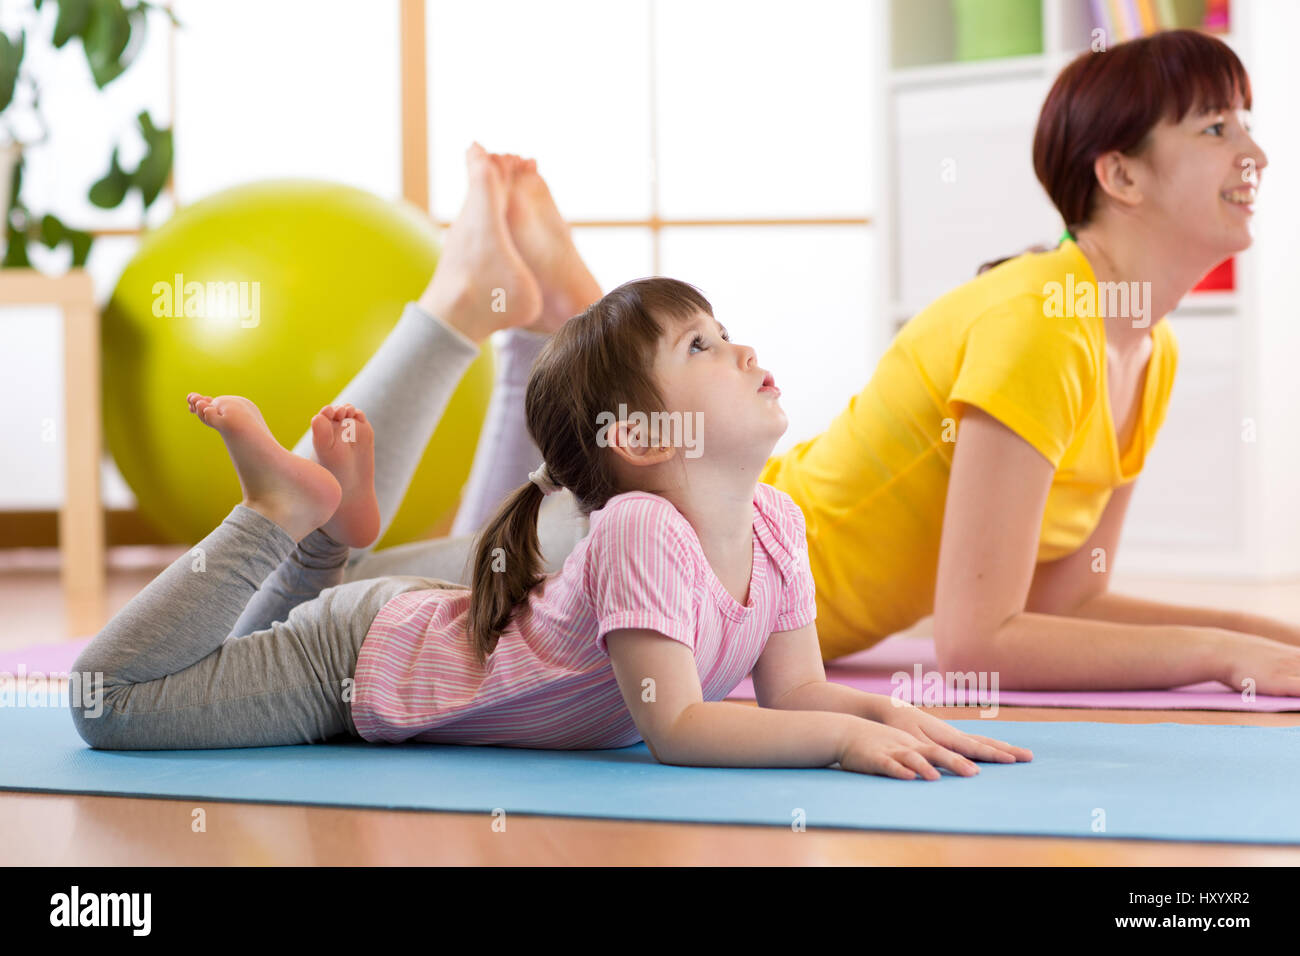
[642, 511]
[783, 516]
[771, 500]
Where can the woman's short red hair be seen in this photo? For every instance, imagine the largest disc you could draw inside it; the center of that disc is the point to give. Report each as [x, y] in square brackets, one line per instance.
[1112, 100]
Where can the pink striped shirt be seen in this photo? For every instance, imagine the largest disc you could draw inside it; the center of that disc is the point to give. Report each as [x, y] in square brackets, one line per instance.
[549, 682]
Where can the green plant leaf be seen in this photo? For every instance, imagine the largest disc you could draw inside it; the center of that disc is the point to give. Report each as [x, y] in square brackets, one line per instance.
[11, 57]
[105, 38]
[139, 22]
[81, 243]
[151, 175]
[15, 249]
[74, 15]
[52, 231]
[18, 183]
[109, 192]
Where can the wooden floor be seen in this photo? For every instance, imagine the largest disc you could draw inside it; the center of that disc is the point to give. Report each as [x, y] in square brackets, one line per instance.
[44, 829]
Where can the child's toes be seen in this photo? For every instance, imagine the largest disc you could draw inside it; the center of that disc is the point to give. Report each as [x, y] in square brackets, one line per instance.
[322, 431]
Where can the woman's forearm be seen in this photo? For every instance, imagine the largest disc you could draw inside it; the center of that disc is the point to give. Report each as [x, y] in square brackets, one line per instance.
[1034, 651]
[1124, 609]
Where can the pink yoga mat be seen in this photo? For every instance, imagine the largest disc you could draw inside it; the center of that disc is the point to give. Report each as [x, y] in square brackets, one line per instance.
[870, 670]
[873, 671]
[46, 658]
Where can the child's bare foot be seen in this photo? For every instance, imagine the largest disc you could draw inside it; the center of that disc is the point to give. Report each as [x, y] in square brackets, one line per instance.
[544, 240]
[481, 283]
[345, 444]
[296, 493]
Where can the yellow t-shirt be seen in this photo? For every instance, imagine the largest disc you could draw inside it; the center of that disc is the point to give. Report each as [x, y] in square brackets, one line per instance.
[873, 485]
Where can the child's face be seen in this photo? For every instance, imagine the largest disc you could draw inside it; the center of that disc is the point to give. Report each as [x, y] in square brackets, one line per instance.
[721, 386]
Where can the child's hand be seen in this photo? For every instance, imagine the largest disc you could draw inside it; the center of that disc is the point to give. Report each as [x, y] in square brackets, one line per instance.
[931, 729]
[890, 752]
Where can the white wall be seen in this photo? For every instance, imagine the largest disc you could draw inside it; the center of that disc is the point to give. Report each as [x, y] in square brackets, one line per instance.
[756, 110]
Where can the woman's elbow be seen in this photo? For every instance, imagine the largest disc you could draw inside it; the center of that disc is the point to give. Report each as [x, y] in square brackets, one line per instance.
[959, 646]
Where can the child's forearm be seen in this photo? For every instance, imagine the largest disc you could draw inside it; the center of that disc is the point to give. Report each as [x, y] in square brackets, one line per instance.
[839, 698]
[1125, 609]
[725, 734]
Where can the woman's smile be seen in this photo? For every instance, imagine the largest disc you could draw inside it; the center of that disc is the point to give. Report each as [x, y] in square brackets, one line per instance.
[1243, 197]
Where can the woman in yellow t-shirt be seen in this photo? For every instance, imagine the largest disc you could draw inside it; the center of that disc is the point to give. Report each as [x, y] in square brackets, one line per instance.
[984, 472]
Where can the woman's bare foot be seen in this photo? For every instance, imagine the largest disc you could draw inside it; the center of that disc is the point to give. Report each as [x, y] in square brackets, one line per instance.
[345, 445]
[296, 493]
[544, 240]
[481, 283]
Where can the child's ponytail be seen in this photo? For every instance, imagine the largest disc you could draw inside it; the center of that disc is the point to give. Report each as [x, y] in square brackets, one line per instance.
[507, 565]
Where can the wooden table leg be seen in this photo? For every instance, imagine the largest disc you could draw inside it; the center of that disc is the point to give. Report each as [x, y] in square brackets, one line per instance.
[81, 519]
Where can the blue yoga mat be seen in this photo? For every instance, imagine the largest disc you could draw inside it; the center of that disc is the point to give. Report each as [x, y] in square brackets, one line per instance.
[1156, 781]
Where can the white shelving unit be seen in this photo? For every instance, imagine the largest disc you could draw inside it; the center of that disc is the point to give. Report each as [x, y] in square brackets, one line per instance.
[958, 189]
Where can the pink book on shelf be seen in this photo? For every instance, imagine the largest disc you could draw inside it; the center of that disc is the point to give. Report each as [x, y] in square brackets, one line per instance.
[1216, 16]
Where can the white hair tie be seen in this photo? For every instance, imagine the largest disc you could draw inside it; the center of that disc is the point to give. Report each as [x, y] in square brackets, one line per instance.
[542, 479]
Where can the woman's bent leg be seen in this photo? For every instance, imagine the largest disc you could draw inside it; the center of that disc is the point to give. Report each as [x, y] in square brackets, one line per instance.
[506, 452]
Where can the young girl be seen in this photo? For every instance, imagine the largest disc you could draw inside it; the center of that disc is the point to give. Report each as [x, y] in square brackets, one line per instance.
[693, 575]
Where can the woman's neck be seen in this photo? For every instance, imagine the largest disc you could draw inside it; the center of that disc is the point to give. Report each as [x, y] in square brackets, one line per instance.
[1118, 252]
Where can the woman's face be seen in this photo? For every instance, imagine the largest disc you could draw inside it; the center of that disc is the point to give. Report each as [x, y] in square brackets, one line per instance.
[1200, 176]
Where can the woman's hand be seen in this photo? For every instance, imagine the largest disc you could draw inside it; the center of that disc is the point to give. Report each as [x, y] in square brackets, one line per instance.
[930, 729]
[1273, 667]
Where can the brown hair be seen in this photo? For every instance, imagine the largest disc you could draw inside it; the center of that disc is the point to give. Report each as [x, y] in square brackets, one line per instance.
[597, 360]
[1112, 100]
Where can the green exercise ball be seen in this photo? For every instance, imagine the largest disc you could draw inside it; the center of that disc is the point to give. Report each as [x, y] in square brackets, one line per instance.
[299, 283]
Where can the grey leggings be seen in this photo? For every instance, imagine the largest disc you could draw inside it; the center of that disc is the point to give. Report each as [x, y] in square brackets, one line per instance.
[249, 640]
[165, 675]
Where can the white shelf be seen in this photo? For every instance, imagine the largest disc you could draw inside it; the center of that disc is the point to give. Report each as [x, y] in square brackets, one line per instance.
[972, 71]
[1208, 303]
